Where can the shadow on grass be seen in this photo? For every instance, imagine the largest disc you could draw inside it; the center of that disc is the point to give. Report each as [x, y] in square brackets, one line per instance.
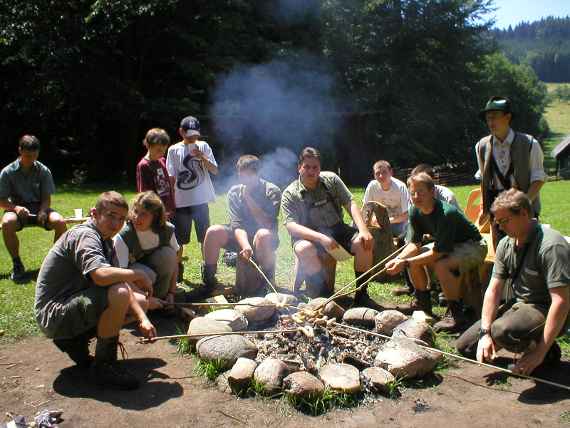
[428, 381]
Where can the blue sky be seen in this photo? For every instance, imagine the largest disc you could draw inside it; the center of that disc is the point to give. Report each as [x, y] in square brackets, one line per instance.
[511, 12]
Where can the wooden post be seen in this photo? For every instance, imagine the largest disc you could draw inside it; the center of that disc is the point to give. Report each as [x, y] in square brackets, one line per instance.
[328, 264]
[378, 222]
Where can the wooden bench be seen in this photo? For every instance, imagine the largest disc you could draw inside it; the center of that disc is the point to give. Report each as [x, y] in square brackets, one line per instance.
[69, 220]
[328, 264]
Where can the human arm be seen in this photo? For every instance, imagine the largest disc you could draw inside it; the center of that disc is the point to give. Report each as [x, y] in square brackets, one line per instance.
[243, 242]
[410, 256]
[18, 209]
[109, 275]
[404, 206]
[555, 320]
[486, 345]
[537, 174]
[206, 158]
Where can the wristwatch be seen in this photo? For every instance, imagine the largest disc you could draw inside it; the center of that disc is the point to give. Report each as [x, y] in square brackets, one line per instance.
[484, 332]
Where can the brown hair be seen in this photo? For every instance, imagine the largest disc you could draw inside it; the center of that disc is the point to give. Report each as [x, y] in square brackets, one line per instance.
[382, 164]
[513, 200]
[422, 177]
[309, 152]
[423, 167]
[110, 198]
[248, 162]
[156, 136]
[29, 143]
[151, 202]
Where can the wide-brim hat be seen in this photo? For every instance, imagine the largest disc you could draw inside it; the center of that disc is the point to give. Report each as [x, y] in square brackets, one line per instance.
[496, 104]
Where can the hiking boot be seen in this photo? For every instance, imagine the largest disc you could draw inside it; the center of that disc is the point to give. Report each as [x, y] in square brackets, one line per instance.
[209, 276]
[454, 320]
[442, 300]
[362, 299]
[107, 370]
[77, 348]
[180, 277]
[422, 302]
[18, 274]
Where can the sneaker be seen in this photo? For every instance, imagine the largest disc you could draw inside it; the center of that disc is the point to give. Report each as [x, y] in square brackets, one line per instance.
[78, 350]
[112, 374]
[18, 274]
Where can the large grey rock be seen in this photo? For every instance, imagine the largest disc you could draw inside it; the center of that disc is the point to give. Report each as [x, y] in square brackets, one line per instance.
[270, 374]
[257, 310]
[234, 319]
[360, 316]
[225, 349]
[404, 359]
[331, 309]
[341, 377]
[415, 330]
[241, 374]
[387, 320]
[378, 379]
[202, 325]
[282, 298]
[303, 384]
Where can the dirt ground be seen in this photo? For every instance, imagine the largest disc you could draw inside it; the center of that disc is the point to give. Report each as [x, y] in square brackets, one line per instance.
[172, 396]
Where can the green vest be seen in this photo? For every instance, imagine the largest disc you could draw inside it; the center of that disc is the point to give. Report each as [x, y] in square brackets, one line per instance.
[129, 236]
[520, 161]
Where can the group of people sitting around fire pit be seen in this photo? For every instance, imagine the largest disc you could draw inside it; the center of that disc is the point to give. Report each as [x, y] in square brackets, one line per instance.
[122, 262]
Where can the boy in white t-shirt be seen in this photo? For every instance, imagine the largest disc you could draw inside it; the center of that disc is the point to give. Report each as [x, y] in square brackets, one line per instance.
[392, 193]
[189, 164]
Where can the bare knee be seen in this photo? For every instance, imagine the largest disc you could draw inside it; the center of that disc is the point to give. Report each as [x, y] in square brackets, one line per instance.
[10, 222]
[305, 250]
[119, 295]
[57, 223]
[216, 234]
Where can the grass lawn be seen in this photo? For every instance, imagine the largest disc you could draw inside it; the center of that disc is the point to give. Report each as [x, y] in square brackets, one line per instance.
[16, 301]
[557, 114]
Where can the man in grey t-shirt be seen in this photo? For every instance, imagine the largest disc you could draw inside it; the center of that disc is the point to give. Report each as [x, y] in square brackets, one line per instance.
[534, 262]
[80, 294]
[26, 186]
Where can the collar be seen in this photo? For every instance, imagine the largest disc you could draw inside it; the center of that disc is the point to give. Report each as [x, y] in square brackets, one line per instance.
[507, 142]
[302, 188]
[531, 235]
[19, 165]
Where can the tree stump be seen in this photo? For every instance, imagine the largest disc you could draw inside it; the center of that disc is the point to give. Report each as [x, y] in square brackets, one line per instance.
[328, 264]
[249, 281]
[378, 222]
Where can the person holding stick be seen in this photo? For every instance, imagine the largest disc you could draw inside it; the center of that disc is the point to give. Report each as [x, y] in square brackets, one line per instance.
[312, 210]
[534, 263]
[80, 294]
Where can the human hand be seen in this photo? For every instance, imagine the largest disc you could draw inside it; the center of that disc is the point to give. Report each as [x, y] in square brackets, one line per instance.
[21, 212]
[366, 239]
[529, 361]
[246, 253]
[395, 266]
[486, 349]
[42, 217]
[147, 329]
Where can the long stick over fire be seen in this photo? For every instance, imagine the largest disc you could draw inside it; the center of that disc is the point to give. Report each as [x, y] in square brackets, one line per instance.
[224, 333]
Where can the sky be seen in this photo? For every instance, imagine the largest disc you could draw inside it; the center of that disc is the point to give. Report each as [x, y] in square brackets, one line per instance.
[512, 12]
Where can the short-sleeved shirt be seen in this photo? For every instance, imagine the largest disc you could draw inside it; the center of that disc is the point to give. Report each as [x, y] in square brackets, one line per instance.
[396, 199]
[319, 207]
[66, 268]
[546, 265]
[445, 224]
[267, 197]
[153, 175]
[446, 195]
[26, 187]
[193, 183]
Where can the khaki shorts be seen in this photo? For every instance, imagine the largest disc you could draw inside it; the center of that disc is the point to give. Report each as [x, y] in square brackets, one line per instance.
[470, 254]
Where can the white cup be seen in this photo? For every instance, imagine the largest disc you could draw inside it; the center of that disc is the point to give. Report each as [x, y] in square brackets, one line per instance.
[78, 212]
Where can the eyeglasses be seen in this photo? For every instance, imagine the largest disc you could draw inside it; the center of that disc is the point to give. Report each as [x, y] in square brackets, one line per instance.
[503, 221]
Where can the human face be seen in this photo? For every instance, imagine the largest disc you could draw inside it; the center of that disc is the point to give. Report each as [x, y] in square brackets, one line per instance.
[142, 219]
[513, 224]
[498, 123]
[247, 177]
[187, 140]
[110, 220]
[422, 197]
[27, 158]
[383, 176]
[309, 171]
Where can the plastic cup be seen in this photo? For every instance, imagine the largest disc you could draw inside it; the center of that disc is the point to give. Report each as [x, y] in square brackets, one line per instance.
[78, 212]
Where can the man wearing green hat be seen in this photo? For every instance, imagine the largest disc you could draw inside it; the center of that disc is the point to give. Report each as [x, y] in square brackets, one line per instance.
[507, 159]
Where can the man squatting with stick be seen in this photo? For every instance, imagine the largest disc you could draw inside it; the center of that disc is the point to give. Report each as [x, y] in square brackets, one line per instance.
[312, 210]
[81, 295]
[253, 207]
[534, 262]
[458, 246]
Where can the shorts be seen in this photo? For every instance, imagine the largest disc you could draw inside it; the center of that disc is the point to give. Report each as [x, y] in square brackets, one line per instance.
[340, 232]
[470, 254]
[32, 220]
[78, 314]
[183, 219]
[232, 244]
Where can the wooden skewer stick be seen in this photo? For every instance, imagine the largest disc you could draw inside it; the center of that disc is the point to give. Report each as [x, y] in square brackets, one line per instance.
[218, 304]
[263, 275]
[459, 357]
[222, 333]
